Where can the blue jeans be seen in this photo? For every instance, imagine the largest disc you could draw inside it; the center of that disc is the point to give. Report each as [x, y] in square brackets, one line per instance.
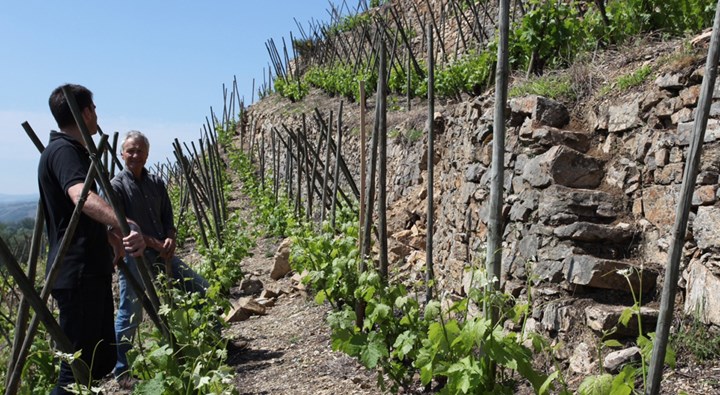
[129, 314]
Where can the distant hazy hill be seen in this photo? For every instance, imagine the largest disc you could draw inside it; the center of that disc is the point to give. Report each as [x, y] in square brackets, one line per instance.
[13, 208]
[4, 198]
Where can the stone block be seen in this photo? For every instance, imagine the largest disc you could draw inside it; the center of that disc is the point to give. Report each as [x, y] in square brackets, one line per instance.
[703, 294]
[603, 318]
[590, 271]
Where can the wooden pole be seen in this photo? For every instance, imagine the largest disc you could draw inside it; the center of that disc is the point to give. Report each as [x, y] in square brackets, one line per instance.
[299, 162]
[343, 165]
[363, 162]
[326, 172]
[382, 165]
[337, 164]
[308, 177]
[429, 268]
[185, 167]
[495, 224]
[80, 371]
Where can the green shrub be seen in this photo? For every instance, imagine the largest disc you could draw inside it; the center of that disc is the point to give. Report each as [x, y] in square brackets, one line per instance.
[341, 80]
[292, 89]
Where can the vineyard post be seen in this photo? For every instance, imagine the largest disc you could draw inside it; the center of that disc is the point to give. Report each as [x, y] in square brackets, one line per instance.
[461, 35]
[275, 148]
[316, 174]
[212, 192]
[358, 37]
[401, 30]
[429, 268]
[343, 165]
[231, 109]
[107, 146]
[672, 270]
[202, 179]
[288, 169]
[243, 133]
[105, 153]
[437, 31]
[63, 343]
[113, 153]
[408, 92]
[316, 156]
[495, 226]
[420, 21]
[236, 94]
[216, 160]
[24, 308]
[442, 31]
[337, 164]
[185, 167]
[251, 148]
[326, 168]
[308, 178]
[369, 207]
[36, 241]
[225, 106]
[363, 163]
[199, 183]
[382, 168]
[262, 159]
[299, 162]
[206, 172]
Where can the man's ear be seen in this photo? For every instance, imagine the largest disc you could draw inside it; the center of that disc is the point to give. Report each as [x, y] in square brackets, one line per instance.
[86, 114]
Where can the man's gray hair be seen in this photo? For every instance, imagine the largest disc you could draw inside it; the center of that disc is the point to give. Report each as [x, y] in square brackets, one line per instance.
[136, 135]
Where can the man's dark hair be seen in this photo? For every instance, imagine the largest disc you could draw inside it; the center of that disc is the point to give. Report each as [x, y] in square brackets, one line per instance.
[60, 108]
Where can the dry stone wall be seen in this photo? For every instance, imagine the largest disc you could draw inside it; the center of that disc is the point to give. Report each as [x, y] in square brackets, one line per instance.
[589, 201]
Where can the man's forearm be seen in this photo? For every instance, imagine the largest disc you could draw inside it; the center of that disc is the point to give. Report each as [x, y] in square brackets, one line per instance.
[95, 207]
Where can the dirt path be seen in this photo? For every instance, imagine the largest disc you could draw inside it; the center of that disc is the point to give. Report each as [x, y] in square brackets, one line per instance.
[289, 348]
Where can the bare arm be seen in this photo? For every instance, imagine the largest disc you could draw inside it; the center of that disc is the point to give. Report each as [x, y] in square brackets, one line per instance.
[98, 209]
[95, 207]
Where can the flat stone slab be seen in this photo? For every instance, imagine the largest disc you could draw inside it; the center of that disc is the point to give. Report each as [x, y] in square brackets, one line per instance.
[595, 272]
[603, 318]
[592, 232]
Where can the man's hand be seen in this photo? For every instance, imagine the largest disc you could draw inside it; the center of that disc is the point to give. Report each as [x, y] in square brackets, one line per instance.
[168, 248]
[134, 242]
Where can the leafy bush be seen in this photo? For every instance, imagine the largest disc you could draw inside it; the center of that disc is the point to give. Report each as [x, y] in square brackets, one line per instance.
[340, 80]
[293, 89]
[549, 35]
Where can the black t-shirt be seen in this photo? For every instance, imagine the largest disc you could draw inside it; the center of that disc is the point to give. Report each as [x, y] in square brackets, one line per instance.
[64, 163]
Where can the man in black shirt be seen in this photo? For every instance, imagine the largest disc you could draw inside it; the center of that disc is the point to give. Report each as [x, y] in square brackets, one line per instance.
[83, 289]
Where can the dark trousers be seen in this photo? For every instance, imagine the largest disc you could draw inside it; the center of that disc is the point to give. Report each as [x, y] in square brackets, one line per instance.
[86, 318]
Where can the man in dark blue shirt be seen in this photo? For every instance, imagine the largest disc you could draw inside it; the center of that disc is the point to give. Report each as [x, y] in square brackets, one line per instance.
[144, 198]
[83, 289]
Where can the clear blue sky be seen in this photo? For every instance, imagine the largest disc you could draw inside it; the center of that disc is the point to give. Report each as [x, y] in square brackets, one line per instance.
[156, 66]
